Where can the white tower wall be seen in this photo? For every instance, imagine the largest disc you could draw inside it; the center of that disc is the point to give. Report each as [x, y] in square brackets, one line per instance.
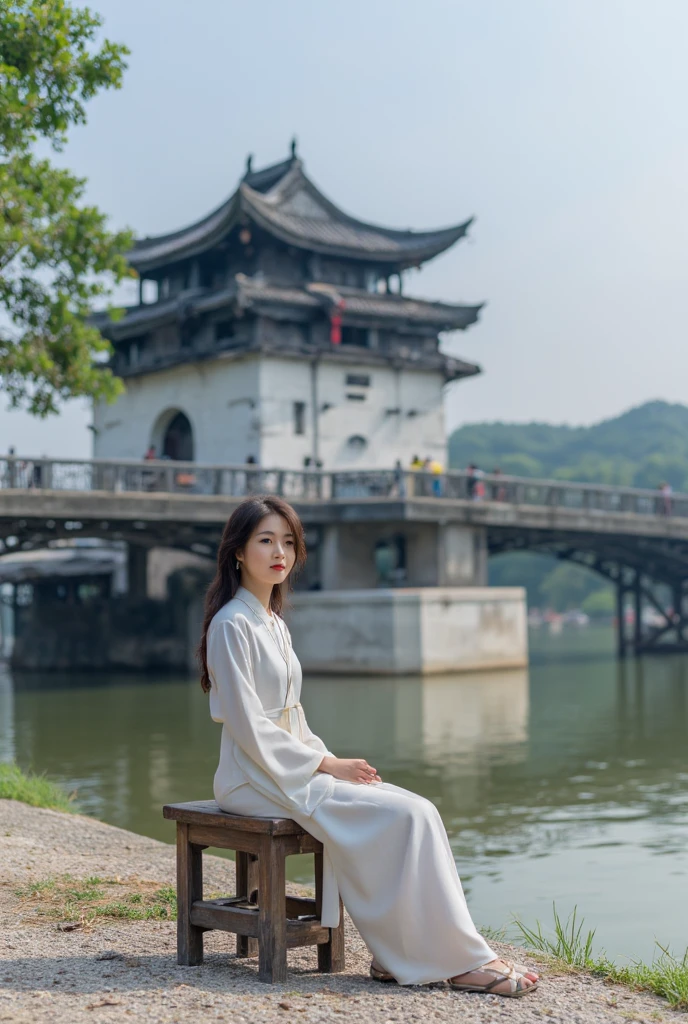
[241, 407]
[218, 396]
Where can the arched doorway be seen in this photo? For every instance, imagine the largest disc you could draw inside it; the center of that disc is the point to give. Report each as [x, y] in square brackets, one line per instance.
[172, 436]
[177, 442]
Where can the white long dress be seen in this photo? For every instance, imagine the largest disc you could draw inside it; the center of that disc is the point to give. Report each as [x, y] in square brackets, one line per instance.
[385, 849]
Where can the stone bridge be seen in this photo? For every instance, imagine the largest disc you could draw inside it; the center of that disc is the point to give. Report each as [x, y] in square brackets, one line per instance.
[408, 527]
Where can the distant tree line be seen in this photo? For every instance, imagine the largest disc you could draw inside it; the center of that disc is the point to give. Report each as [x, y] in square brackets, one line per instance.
[641, 448]
[644, 447]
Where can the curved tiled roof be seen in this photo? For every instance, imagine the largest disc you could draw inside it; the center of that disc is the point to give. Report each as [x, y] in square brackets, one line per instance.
[295, 211]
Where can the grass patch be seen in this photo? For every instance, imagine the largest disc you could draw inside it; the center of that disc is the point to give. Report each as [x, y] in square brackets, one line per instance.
[33, 789]
[493, 934]
[84, 900]
[567, 945]
[666, 976]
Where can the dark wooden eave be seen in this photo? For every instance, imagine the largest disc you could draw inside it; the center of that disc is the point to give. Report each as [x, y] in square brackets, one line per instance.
[247, 293]
[293, 210]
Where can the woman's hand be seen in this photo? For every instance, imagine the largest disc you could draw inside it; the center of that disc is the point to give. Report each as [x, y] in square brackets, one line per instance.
[350, 769]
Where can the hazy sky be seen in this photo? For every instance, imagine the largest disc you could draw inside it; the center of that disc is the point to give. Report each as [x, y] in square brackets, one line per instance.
[560, 124]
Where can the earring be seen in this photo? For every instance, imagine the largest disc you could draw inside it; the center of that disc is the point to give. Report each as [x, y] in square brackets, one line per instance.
[237, 564]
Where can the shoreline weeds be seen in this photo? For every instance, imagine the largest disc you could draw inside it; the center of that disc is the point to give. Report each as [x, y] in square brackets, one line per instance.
[116, 968]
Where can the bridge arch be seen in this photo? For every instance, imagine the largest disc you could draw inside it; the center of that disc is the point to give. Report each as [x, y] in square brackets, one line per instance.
[173, 436]
[638, 567]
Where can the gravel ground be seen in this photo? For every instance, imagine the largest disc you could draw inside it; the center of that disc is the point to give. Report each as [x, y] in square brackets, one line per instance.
[114, 970]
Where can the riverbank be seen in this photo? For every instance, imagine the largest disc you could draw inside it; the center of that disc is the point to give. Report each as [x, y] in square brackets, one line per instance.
[111, 968]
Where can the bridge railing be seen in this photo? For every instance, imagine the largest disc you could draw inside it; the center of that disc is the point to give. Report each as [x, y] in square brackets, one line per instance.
[171, 477]
[163, 475]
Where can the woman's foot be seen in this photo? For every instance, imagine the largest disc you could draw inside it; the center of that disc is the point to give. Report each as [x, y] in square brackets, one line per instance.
[499, 977]
[378, 973]
[522, 969]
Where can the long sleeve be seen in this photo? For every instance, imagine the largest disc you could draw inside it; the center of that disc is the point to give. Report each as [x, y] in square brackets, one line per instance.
[277, 762]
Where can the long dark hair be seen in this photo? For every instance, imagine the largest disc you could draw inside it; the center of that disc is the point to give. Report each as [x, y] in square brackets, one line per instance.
[239, 528]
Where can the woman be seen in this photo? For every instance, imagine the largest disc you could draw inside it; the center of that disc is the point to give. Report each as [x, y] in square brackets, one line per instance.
[385, 848]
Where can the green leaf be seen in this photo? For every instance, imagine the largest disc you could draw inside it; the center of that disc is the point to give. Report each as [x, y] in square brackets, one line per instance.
[56, 254]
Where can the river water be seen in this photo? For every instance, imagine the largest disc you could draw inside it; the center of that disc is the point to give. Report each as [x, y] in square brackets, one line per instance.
[564, 783]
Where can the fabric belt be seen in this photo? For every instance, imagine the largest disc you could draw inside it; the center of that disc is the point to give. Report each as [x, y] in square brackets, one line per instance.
[289, 718]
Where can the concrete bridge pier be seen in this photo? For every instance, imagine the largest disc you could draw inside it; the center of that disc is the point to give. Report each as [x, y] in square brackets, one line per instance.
[411, 554]
[137, 572]
[406, 597]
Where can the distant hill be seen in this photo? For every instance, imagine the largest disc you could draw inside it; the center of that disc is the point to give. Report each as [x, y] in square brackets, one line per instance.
[641, 448]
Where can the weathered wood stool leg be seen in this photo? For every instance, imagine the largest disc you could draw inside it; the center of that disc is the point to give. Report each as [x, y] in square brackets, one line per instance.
[272, 941]
[189, 888]
[246, 883]
[330, 954]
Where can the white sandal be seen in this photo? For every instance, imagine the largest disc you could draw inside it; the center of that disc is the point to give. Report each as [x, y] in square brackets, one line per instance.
[378, 973]
[511, 975]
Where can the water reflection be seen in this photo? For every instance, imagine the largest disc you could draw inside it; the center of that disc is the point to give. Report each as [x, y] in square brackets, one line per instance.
[438, 734]
[567, 783]
[125, 744]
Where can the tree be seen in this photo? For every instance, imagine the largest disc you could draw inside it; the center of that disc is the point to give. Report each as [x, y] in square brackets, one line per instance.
[56, 254]
[568, 584]
[601, 604]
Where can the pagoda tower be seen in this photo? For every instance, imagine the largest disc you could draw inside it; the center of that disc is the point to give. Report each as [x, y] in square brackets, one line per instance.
[276, 329]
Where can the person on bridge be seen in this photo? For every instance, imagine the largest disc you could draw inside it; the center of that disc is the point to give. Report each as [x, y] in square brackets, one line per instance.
[437, 469]
[417, 465]
[478, 492]
[470, 479]
[498, 488]
[399, 479]
[386, 850]
[666, 498]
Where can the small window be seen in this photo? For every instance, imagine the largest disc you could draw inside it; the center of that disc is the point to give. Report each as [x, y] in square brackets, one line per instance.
[151, 291]
[353, 397]
[133, 349]
[224, 330]
[355, 336]
[356, 443]
[299, 417]
[24, 594]
[358, 380]
[88, 592]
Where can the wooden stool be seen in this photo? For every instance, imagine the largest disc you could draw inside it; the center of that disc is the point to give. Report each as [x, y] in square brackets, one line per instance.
[266, 921]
